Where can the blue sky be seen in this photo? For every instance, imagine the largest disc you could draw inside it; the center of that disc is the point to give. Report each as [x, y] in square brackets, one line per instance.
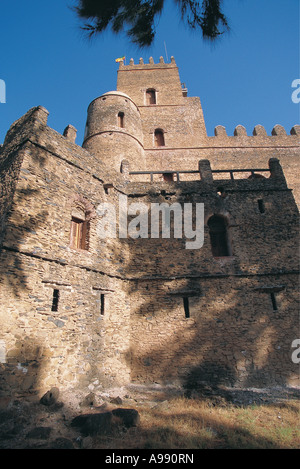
[244, 79]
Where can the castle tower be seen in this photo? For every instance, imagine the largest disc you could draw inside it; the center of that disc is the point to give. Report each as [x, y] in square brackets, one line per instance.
[82, 311]
[114, 130]
[170, 119]
[174, 132]
[137, 80]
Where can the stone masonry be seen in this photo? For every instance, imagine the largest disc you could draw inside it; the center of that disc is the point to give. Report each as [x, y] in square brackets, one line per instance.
[81, 311]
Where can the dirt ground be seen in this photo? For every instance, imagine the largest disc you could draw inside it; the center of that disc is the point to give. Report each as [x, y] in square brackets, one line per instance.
[26, 423]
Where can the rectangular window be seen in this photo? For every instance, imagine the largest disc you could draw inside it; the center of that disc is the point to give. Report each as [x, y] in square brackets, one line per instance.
[55, 300]
[150, 97]
[121, 120]
[79, 231]
[218, 236]
[274, 302]
[261, 205]
[186, 307]
[102, 304]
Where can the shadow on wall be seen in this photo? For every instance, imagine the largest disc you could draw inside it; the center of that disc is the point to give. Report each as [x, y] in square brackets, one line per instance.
[21, 355]
[21, 367]
[17, 224]
[234, 336]
[27, 420]
[224, 347]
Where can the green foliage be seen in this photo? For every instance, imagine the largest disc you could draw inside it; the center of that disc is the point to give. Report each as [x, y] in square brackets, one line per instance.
[137, 17]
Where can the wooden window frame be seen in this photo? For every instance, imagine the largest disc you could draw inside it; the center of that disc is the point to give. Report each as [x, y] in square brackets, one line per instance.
[79, 234]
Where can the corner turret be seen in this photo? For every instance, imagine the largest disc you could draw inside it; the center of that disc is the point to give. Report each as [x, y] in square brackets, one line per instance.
[114, 130]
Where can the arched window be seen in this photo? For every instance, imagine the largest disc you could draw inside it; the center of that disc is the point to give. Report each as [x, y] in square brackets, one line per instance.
[121, 120]
[218, 236]
[159, 138]
[150, 96]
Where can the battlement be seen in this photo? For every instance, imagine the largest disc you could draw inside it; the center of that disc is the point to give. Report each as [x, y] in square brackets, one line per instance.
[151, 64]
[258, 131]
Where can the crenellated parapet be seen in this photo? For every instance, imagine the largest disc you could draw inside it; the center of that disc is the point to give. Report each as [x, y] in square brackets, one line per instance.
[144, 64]
[258, 131]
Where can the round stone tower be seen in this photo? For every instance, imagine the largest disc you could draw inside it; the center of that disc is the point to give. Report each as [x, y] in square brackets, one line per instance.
[114, 131]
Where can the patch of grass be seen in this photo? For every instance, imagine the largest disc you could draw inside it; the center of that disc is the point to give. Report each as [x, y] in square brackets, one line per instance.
[196, 424]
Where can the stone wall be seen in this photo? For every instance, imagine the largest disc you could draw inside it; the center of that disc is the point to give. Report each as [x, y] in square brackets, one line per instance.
[233, 336]
[232, 333]
[124, 308]
[186, 141]
[85, 342]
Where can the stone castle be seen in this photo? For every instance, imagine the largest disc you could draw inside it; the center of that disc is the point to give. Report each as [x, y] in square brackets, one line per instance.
[81, 311]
